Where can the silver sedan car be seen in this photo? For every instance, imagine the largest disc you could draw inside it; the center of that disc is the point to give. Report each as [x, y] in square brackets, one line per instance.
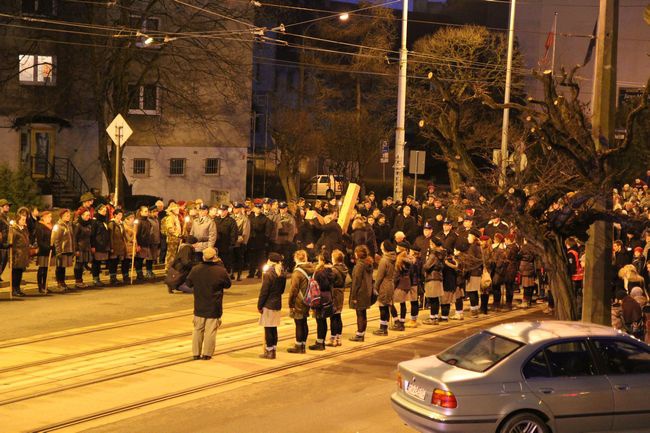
[532, 377]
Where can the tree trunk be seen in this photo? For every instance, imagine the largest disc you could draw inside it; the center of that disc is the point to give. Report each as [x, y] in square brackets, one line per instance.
[455, 179]
[555, 261]
[288, 181]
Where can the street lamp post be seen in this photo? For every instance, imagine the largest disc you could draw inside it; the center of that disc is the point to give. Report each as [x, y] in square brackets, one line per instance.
[506, 97]
[398, 179]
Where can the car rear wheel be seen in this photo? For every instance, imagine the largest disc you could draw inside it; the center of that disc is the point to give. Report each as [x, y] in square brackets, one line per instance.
[525, 423]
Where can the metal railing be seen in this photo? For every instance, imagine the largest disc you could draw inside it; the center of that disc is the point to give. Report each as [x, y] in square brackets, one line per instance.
[61, 170]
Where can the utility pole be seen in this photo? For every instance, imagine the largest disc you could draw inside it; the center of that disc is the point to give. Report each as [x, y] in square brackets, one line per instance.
[506, 97]
[597, 289]
[398, 179]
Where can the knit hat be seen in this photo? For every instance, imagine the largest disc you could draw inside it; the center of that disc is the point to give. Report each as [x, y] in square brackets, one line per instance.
[275, 257]
[388, 246]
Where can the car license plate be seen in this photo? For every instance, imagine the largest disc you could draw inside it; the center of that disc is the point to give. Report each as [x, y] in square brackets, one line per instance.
[416, 391]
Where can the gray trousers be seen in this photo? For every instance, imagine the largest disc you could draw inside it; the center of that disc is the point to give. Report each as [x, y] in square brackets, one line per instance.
[204, 336]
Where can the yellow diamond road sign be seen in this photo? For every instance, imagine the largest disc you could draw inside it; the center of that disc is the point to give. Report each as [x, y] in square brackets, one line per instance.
[119, 130]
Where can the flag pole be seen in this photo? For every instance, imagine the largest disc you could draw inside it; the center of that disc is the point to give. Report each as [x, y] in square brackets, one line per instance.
[554, 42]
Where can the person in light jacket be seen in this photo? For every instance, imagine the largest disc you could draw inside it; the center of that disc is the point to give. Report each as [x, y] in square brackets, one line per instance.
[205, 230]
[361, 290]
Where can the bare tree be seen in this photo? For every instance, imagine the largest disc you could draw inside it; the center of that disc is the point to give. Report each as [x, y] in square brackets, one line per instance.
[452, 66]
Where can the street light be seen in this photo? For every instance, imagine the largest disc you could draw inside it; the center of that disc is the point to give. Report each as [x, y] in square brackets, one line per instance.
[344, 16]
[398, 176]
[506, 97]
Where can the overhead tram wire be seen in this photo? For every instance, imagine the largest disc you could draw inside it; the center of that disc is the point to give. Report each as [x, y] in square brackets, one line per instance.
[434, 60]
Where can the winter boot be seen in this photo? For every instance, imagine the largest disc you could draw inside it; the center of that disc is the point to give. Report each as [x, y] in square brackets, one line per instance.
[398, 326]
[411, 324]
[319, 345]
[332, 342]
[430, 321]
[382, 331]
[298, 348]
[268, 354]
[79, 284]
[97, 282]
[113, 280]
[357, 338]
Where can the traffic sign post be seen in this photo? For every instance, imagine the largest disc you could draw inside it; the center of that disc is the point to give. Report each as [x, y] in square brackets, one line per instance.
[417, 158]
[383, 159]
[119, 131]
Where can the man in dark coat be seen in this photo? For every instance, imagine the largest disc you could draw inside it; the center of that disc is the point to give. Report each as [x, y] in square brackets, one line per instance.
[434, 213]
[144, 241]
[226, 236]
[208, 279]
[258, 243]
[406, 223]
[389, 211]
[448, 236]
[331, 237]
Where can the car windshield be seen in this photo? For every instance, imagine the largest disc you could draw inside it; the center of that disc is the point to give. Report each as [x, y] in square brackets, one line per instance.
[479, 352]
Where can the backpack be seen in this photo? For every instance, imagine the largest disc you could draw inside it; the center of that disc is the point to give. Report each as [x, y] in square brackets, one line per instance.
[312, 296]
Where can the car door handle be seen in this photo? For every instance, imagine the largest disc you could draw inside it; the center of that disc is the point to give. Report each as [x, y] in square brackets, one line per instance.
[546, 390]
[622, 387]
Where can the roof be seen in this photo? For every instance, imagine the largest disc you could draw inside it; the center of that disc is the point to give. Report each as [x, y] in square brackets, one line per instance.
[535, 332]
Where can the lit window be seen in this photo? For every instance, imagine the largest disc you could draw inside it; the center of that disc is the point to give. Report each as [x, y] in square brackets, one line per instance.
[144, 99]
[213, 166]
[140, 167]
[148, 27]
[177, 167]
[36, 70]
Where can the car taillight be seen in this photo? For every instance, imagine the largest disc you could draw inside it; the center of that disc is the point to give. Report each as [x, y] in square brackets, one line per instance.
[400, 382]
[443, 398]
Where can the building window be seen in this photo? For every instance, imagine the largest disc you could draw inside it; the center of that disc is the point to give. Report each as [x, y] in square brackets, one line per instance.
[177, 167]
[140, 167]
[212, 166]
[39, 7]
[147, 27]
[144, 99]
[36, 70]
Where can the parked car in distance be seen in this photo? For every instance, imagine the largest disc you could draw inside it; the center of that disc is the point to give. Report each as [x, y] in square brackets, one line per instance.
[324, 185]
[534, 377]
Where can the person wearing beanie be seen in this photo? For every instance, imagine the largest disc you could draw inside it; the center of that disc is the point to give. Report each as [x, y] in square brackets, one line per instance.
[269, 303]
[638, 260]
[384, 285]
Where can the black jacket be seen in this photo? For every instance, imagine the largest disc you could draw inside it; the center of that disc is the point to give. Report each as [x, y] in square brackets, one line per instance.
[208, 279]
[143, 235]
[226, 233]
[408, 225]
[261, 228]
[100, 237]
[272, 289]
[43, 238]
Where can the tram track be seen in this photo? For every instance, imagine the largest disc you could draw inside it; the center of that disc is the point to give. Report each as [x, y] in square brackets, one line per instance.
[113, 326]
[328, 355]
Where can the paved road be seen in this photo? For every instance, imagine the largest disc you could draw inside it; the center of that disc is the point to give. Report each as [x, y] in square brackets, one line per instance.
[36, 314]
[349, 396]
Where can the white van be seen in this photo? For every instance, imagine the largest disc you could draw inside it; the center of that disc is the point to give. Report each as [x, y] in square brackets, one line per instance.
[324, 185]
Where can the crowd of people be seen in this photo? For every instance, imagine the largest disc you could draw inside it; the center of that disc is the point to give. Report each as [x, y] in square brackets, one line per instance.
[430, 254]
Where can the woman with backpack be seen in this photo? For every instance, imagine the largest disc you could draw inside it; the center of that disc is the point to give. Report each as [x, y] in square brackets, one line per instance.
[361, 289]
[340, 272]
[325, 278]
[269, 303]
[298, 310]
[385, 285]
